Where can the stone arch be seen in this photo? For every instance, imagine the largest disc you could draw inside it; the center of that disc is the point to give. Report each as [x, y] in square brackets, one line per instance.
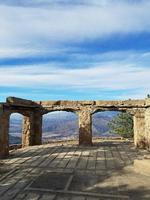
[60, 119]
[29, 125]
[31, 131]
[4, 130]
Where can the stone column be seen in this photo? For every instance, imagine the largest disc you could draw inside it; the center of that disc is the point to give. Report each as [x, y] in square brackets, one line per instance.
[4, 134]
[85, 127]
[32, 129]
[37, 125]
[27, 131]
[139, 129]
[147, 127]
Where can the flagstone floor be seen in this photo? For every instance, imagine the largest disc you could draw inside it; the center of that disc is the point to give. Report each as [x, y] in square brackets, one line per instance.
[65, 171]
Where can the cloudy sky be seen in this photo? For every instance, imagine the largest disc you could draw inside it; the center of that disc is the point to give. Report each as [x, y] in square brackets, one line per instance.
[74, 49]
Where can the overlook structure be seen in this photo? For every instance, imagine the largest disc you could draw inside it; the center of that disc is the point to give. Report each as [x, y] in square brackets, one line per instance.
[33, 112]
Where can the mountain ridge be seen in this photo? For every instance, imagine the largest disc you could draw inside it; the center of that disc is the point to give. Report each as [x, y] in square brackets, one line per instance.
[63, 125]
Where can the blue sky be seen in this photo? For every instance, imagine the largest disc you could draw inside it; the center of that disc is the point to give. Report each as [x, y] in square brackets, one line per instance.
[74, 49]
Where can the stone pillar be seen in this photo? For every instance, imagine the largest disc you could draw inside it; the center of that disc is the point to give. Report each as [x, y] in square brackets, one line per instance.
[85, 127]
[32, 129]
[139, 129]
[4, 134]
[147, 127]
[27, 131]
[37, 125]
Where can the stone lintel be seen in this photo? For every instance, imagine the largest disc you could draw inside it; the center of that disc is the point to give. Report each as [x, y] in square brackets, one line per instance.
[125, 103]
[87, 102]
[48, 103]
[65, 103]
[19, 101]
[104, 104]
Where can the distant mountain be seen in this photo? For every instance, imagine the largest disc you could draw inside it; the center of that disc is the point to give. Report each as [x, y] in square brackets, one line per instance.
[15, 125]
[100, 123]
[15, 129]
[14, 139]
[62, 125]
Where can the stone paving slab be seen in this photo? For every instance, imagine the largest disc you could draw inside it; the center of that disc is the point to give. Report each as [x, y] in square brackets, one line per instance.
[101, 172]
[142, 166]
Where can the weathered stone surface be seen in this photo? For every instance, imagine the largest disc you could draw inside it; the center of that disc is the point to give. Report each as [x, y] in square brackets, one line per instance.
[19, 101]
[147, 102]
[126, 103]
[85, 128]
[4, 129]
[27, 131]
[139, 130]
[147, 127]
[37, 128]
[32, 129]
[48, 103]
[142, 166]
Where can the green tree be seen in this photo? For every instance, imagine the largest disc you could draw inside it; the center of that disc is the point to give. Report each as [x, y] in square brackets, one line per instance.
[122, 124]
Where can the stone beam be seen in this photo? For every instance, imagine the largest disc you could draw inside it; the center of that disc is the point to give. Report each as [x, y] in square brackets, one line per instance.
[20, 102]
[96, 104]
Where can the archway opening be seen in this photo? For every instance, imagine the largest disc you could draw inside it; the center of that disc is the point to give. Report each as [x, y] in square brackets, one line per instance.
[15, 129]
[112, 124]
[59, 125]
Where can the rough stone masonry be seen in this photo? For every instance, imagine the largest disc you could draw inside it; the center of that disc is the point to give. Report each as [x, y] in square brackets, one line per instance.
[33, 112]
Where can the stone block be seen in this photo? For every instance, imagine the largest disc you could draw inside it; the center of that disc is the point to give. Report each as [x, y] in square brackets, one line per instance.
[68, 103]
[19, 101]
[49, 103]
[87, 102]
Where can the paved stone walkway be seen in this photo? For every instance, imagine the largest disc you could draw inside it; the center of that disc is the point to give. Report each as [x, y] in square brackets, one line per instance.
[69, 172]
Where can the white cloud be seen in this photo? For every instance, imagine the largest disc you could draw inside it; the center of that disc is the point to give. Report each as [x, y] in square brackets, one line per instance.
[112, 76]
[26, 31]
[37, 28]
[43, 3]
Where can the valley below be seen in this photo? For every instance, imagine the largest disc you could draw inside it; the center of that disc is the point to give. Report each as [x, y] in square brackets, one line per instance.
[62, 126]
